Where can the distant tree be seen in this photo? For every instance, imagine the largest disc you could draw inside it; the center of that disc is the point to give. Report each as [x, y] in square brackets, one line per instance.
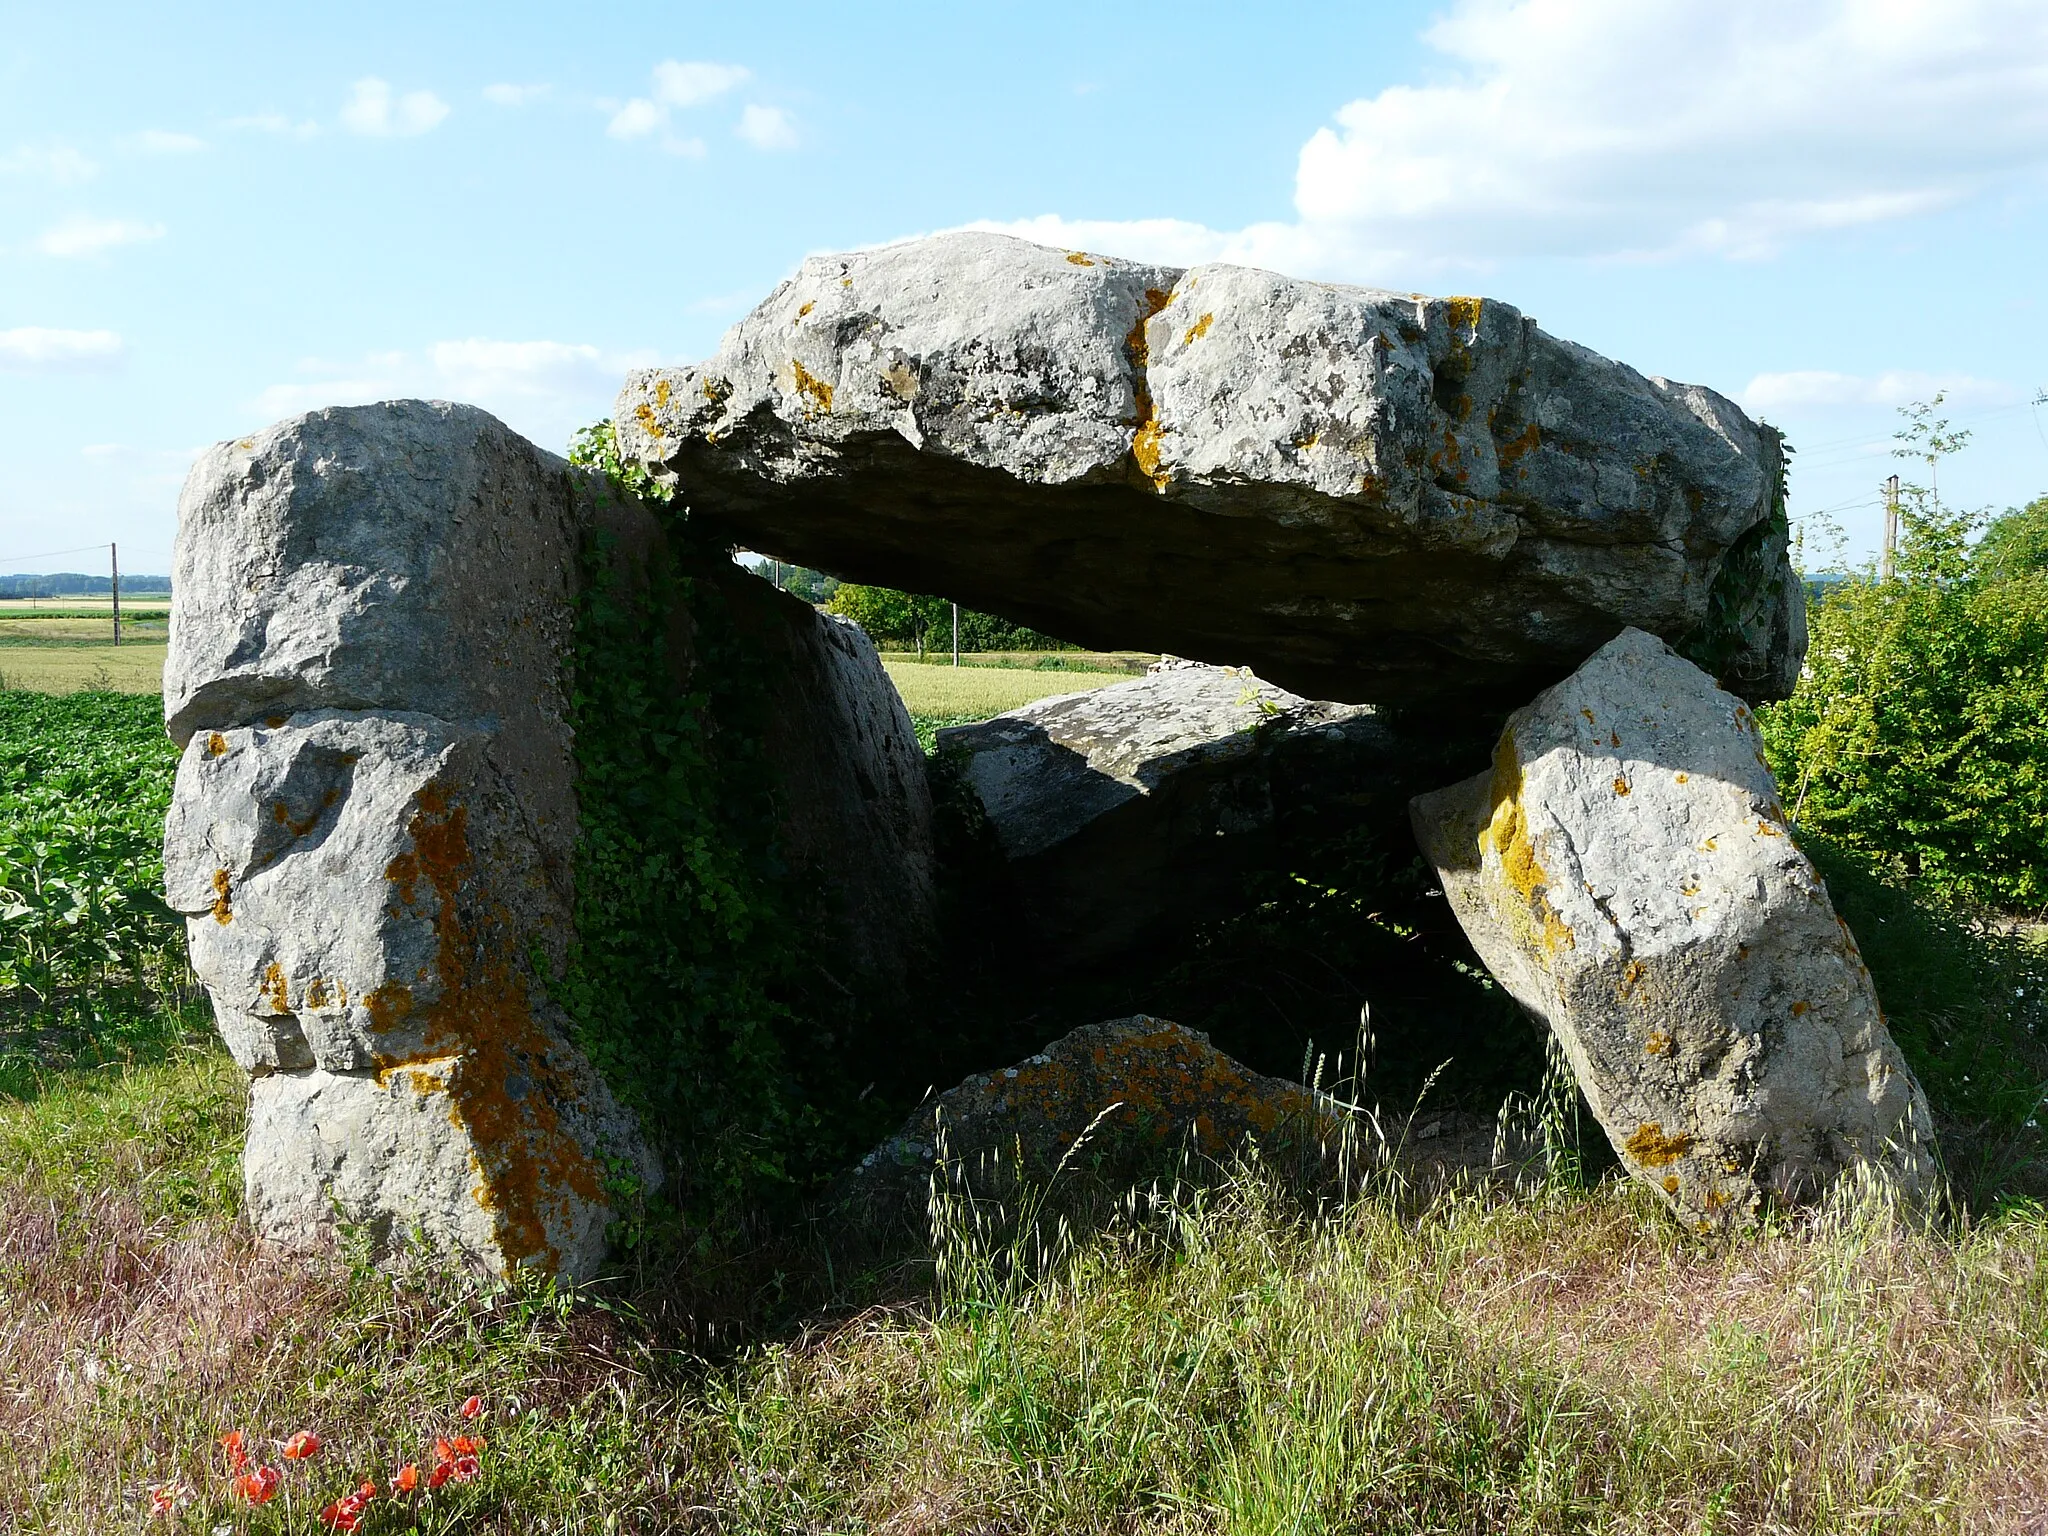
[925, 624]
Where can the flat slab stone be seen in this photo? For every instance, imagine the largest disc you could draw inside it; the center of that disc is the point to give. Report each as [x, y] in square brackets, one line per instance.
[1365, 496]
[1627, 871]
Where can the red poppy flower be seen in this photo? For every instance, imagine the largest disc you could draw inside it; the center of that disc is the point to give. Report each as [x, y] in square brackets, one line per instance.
[406, 1479]
[301, 1446]
[165, 1497]
[464, 1469]
[466, 1445]
[443, 1470]
[472, 1407]
[260, 1486]
[238, 1458]
[342, 1515]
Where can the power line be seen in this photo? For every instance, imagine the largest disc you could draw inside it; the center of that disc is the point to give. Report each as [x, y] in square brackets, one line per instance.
[51, 554]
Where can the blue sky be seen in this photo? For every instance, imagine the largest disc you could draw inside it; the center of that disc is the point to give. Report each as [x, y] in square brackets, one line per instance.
[211, 217]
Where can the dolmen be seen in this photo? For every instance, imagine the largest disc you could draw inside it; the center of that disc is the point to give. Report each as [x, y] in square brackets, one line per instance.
[1420, 505]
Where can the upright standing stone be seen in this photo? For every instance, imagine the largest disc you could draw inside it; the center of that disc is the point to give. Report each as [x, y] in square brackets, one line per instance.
[1626, 870]
[374, 826]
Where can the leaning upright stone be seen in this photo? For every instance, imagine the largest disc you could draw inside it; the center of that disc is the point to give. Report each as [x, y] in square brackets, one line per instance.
[374, 824]
[1626, 870]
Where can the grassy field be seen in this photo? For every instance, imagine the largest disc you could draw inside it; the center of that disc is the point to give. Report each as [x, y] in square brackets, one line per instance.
[940, 694]
[67, 667]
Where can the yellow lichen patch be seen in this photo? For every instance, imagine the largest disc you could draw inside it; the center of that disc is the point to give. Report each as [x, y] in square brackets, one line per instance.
[1631, 975]
[223, 913]
[283, 817]
[1670, 1183]
[644, 414]
[661, 392]
[1765, 829]
[807, 307]
[1589, 717]
[1659, 1044]
[1710, 845]
[1078, 259]
[1620, 785]
[1199, 329]
[1681, 778]
[1799, 1008]
[1506, 834]
[715, 390]
[316, 994]
[274, 990]
[813, 388]
[1464, 313]
[1648, 1145]
[216, 744]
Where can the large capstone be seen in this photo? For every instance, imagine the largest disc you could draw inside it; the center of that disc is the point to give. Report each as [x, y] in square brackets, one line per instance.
[376, 823]
[1365, 496]
[1626, 870]
[1131, 810]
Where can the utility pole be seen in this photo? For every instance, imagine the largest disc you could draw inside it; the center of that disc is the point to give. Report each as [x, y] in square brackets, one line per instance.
[956, 634]
[114, 556]
[778, 575]
[1891, 526]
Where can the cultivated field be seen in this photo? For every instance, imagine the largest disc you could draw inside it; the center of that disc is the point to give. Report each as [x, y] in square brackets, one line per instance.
[943, 691]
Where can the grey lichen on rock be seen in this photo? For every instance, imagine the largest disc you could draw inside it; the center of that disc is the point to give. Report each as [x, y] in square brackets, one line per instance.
[1366, 496]
[1626, 870]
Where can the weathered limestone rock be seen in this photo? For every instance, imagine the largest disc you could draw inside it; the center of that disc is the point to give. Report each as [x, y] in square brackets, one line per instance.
[1132, 808]
[376, 818]
[1141, 1088]
[1366, 496]
[1626, 871]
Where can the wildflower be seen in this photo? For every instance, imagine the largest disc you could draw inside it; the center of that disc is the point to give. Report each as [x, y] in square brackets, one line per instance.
[165, 1497]
[458, 1469]
[238, 1458]
[473, 1407]
[345, 1514]
[301, 1446]
[406, 1479]
[260, 1486]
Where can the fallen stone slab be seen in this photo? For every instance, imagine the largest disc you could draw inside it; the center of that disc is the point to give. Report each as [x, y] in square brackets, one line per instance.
[1109, 1102]
[1365, 496]
[1627, 872]
[376, 822]
[1136, 808]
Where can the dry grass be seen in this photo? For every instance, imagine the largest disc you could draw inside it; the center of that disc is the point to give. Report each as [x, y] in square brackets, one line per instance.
[73, 668]
[1545, 1362]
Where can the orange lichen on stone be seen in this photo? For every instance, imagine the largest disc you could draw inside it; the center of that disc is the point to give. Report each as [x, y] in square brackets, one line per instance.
[388, 1004]
[1199, 329]
[644, 414]
[1620, 785]
[1078, 259]
[1681, 778]
[1530, 439]
[216, 744]
[807, 306]
[527, 1164]
[1648, 1145]
[813, 388]
[274, 989]
[1670, 1183]
[1147, 431]
[1659, 1044]
[223, 913]
[1464, 313]
[1799, 1008]
[1765, 829]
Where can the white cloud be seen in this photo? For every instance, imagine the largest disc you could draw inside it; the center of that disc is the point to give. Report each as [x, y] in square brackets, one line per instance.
[544, 389]
[36, 348]
[637, 118]
[83, 237]
[505, 95]
[374, 112]
[676, 85]
[1653, 128]
[1814, 388]
[159, 141]
[767, 128]
[57, 162]
[273, 123]
[693, 84]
